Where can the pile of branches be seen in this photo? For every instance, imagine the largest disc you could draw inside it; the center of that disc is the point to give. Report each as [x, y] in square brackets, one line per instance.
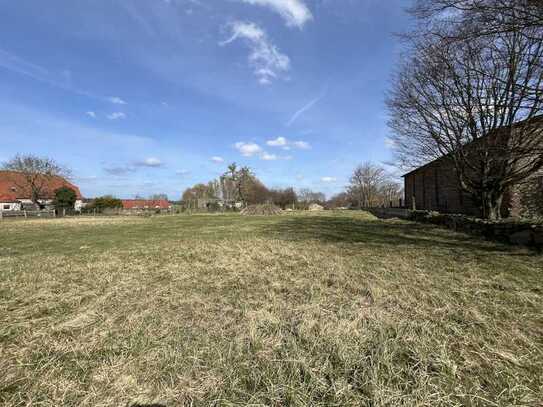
[261, 210]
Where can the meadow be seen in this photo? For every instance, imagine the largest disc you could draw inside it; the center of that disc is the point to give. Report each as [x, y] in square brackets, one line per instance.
[330, 309]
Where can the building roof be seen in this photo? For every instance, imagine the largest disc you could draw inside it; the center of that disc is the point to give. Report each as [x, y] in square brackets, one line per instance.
[536, 119]
[13, 186]
[145, 204]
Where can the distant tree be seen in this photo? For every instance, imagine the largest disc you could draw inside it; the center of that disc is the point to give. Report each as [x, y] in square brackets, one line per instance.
[105, 202]
[308, 196]
[36, 172]
[254, 191]
[365, 184]
[283, 197]
[341, 200]
[198, 191]
[159, 197]
[241, 179]
[65, 198]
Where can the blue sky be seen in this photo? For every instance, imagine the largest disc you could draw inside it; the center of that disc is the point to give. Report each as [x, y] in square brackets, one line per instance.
[151, 96]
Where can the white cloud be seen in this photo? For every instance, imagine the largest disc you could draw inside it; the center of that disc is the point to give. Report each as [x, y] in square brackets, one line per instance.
[267, 61]
[116, 116]
[152, 162]
[91, 114]
[328, 179]
[287, 145]
[116, 100]
[278, 142]
[294, 12]
[182, 173]
[217, 160]
[248, 149]
[269, 157]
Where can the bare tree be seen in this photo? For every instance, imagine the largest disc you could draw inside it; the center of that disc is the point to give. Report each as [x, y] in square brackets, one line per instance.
[483, 17]
[159, 197]
[36, 173]
[308, 196]
[475, 100]
[365, 184]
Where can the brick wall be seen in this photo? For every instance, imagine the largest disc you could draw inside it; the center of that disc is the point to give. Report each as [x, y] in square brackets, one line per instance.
[435, 187]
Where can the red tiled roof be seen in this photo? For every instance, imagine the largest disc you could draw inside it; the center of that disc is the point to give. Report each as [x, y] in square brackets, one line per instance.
[145, 204]
[13, 187]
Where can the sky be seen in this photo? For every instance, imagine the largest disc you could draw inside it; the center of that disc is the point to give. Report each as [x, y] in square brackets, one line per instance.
[140, 97]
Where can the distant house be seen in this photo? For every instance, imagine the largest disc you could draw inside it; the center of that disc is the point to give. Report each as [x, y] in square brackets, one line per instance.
[435, 186]
[15, 194]
[146, 204]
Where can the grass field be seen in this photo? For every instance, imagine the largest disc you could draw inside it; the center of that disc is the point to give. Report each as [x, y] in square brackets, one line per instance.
[301, 309]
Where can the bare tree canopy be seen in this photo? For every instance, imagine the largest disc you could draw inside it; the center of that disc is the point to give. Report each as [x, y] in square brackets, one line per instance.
[371, 186]
[36, 171]
[482, 17]
[476, 99]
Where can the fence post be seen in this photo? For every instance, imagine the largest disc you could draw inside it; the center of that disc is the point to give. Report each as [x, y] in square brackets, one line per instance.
[25, 213]
[1, 215]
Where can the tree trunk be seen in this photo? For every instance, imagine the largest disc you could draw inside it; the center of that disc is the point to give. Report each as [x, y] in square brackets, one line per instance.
[492, 205]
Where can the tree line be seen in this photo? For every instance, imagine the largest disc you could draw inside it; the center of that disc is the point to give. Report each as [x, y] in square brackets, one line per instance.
[240, 185]
[369, 186]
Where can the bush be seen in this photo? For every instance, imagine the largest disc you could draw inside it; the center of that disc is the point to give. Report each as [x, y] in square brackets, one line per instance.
[104, 202]
[65, 198]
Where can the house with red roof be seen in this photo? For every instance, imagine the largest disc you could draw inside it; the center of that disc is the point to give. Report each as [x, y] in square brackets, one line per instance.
[145, 204]
[15, 192]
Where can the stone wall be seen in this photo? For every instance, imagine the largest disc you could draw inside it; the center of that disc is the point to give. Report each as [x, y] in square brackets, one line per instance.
[528, 197]
[509, 231]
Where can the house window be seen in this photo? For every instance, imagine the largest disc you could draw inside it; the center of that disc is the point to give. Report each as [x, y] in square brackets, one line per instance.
[7, 207]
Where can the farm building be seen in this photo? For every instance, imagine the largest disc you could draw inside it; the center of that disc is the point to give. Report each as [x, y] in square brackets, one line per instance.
[15, 193]
[146, 204]
[436, 187]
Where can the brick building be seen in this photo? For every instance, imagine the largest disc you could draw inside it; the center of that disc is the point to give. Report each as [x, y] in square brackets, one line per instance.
[435, 186]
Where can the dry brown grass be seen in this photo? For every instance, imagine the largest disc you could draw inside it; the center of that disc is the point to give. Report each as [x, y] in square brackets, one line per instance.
[327, 309]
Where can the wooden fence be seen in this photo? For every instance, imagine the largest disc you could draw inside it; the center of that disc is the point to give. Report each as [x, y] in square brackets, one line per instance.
[27, 214]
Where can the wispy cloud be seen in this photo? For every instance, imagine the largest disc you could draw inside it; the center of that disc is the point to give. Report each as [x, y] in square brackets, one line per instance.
[116, 100]
[217, 159]
[267, 61]
[269, 157]
[302, 145]
[294, 12]
[59, 79]
[304, 109]
[151, 162]
[116, 116]
[118, 171]
[91, 114]
[328, 179]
